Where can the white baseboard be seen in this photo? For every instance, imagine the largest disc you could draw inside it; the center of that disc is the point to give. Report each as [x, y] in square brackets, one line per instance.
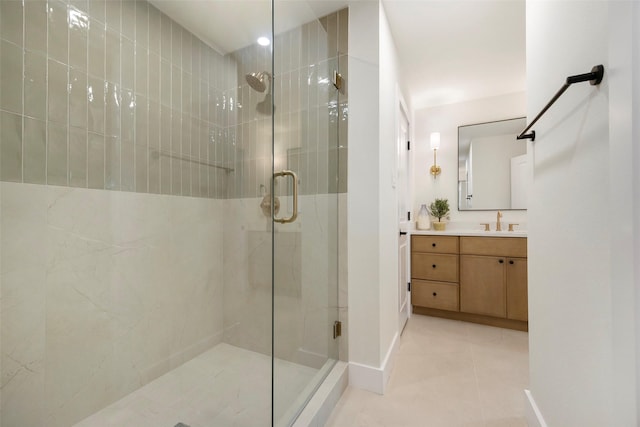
[372, 378]
[534, 416]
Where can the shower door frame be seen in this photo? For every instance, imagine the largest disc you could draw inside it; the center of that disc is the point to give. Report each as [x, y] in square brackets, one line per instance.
[307, 199]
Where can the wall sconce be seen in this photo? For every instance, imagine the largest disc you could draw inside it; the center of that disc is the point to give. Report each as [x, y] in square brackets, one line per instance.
[435, 145]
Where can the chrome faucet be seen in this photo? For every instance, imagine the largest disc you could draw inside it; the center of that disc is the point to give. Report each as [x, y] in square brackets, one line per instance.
[498, 225]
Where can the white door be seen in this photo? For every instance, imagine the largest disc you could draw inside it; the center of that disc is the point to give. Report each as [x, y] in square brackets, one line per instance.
[403, 281]
[403, 171]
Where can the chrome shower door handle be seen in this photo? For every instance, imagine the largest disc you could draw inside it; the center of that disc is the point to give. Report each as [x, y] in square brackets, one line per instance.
[294, 215]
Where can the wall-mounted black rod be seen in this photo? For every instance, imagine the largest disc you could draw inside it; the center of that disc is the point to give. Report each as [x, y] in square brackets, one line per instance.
[594, 78]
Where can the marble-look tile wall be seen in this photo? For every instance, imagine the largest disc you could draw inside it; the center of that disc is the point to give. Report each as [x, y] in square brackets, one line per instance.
[111, 95]
[101, 293]
[306, 276]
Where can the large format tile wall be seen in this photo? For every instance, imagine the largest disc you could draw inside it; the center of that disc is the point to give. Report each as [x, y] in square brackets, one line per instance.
[102, 292]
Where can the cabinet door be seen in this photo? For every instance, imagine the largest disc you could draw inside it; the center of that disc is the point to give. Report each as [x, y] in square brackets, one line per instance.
[482, 285]
[517, 299]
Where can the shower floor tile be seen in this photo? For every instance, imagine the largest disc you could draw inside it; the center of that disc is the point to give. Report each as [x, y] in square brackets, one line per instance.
[225, 386]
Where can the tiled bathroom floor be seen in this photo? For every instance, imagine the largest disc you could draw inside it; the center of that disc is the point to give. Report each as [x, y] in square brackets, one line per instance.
[225, 386]
[446, 374]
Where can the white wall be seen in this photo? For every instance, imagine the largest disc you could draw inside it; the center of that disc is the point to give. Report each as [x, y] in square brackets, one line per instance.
[388, 228]
[446, 119]
[624, 127]
[581, 278]
[363, 196]
[372, 204]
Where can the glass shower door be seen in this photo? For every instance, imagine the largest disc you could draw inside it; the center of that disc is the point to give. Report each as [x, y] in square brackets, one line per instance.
[306, 178]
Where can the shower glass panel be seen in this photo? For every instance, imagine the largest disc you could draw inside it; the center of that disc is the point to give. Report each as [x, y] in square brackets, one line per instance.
[305, 156]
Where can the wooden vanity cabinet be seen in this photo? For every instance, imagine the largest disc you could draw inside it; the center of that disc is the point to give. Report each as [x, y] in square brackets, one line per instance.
[434, 272]
[475, 279]
[483, 289]
[517, 291]
[493, 277]
[494, 286]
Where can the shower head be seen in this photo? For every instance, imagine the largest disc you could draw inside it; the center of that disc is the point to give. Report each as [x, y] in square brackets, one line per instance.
[265, 106]
[257, 80]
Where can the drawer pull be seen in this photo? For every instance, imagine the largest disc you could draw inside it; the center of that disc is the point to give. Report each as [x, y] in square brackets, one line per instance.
[501, 261]
[433, 244]
[511, 262]
[434, 266]
[435, 294]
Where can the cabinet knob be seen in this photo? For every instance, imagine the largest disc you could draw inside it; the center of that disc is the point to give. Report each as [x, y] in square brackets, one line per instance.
[435, 294]
[501, 261]
[511, 262]
[434, 266]
[433, 244]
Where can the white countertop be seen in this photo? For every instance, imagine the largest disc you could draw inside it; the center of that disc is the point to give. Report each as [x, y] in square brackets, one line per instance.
[476, 233]
[463, 229]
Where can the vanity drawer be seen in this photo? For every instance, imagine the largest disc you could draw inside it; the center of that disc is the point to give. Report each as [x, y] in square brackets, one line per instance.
[439, 267]
[435, 244]
[439, 295]
[494, 246]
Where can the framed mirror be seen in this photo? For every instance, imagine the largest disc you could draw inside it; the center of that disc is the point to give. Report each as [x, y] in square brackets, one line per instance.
[492, 166]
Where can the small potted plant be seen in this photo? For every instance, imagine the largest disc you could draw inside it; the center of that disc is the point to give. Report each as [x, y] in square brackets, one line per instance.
[439, 209]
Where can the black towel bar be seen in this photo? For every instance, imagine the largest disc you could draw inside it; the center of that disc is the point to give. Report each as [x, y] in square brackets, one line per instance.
[594, 78]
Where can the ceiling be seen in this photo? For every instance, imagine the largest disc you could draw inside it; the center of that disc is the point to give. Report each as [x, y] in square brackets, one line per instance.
[449, 50]
[453, 50]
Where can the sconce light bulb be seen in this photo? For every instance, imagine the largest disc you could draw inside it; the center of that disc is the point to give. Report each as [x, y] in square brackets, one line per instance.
[435, 140]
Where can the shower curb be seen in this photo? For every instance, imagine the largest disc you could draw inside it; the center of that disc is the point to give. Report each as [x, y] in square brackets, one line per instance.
[319, 408]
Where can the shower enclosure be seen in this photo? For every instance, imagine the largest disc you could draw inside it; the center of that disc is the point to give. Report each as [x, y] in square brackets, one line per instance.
[170, 200]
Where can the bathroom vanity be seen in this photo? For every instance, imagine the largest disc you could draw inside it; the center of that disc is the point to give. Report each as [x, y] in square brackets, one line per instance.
[471, 277]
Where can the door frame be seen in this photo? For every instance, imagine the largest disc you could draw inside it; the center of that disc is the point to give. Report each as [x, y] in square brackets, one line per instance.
[403, 145]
